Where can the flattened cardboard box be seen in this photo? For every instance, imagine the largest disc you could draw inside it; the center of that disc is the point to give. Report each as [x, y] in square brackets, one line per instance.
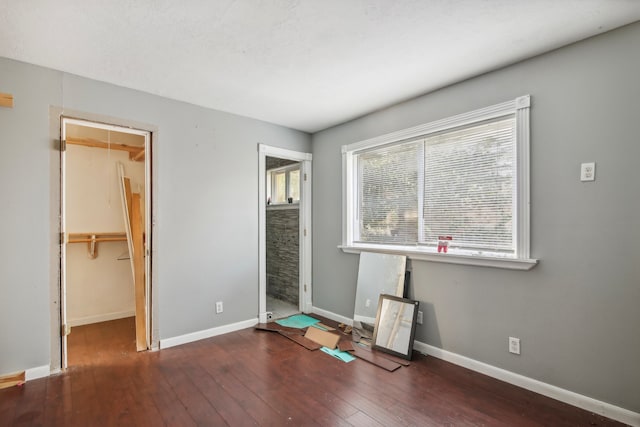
[325, 339]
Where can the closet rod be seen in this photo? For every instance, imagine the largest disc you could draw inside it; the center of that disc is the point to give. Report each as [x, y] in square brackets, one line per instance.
[96, 237]
[92, 240]
[99, 239]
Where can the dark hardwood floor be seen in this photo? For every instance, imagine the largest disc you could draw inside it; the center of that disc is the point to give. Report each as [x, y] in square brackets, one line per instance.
[253, 378]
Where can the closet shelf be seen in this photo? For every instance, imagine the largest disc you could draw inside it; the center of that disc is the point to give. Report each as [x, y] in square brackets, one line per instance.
[92, 240]
[136, 153]
[96, 237]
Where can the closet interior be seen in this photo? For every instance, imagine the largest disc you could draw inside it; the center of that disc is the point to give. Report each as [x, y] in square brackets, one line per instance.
[105, 266]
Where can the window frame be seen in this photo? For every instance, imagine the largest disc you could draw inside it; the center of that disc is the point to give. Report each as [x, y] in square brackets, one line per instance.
[520, 108]
[271, 185]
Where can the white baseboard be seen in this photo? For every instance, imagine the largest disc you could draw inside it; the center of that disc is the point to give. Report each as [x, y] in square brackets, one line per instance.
[587, 403]
[602, 408]
[207, 333]
[87, 320]
[332, 316]
[37, 372]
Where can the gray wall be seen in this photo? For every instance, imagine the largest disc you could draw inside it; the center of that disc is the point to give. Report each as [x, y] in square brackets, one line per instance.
[24, 216]
[577, 311]
[205, 191]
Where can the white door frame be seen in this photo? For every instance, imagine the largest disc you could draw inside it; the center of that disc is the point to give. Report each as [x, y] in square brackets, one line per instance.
[304, 224]
[64, 120]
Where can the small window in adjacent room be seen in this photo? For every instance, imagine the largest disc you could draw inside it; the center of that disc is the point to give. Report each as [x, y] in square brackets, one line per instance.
[455, 190]
[283, 185]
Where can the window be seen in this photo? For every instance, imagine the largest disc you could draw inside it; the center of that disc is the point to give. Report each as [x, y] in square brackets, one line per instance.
[455, 190]
[283, 184]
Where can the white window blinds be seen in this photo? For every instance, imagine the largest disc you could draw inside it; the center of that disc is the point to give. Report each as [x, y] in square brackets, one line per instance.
[469, 187]
[453, 190]
[458, 183]
[388, 193]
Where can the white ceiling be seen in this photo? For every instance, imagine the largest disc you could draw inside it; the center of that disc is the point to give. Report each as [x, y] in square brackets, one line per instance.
[305, 64]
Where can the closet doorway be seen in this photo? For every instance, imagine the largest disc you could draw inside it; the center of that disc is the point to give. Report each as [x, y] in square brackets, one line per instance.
[105, 241]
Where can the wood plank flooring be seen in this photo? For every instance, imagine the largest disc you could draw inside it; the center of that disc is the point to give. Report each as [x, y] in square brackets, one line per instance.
[256, 378]
[101, 343]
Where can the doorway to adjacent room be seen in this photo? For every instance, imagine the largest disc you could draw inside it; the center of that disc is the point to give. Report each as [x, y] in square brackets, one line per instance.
[284, 232]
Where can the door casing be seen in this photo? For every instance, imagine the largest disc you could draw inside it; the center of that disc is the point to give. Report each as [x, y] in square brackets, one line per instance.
[305, 291]
[151, 341]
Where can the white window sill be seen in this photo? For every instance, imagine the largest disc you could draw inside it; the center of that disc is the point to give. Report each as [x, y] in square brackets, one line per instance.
[482, 261]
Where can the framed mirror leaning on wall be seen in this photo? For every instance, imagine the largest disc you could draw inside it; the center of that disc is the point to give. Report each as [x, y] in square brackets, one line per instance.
[377, 274]
[395, 325]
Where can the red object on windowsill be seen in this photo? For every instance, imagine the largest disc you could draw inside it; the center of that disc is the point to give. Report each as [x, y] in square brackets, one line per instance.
[443, 243]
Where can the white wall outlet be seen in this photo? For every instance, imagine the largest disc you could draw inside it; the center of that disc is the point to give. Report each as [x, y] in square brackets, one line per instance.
[588, 172]
[419, 318]
[514, 345]
[219, 307]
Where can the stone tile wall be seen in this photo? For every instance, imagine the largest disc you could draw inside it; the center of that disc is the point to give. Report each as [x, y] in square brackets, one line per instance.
[283, 243]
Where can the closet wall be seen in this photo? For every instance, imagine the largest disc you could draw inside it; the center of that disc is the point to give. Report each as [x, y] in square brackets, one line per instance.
[98, 289]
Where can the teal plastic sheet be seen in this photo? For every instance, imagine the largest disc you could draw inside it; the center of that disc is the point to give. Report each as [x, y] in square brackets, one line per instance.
[297, 321]
[345, 356]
